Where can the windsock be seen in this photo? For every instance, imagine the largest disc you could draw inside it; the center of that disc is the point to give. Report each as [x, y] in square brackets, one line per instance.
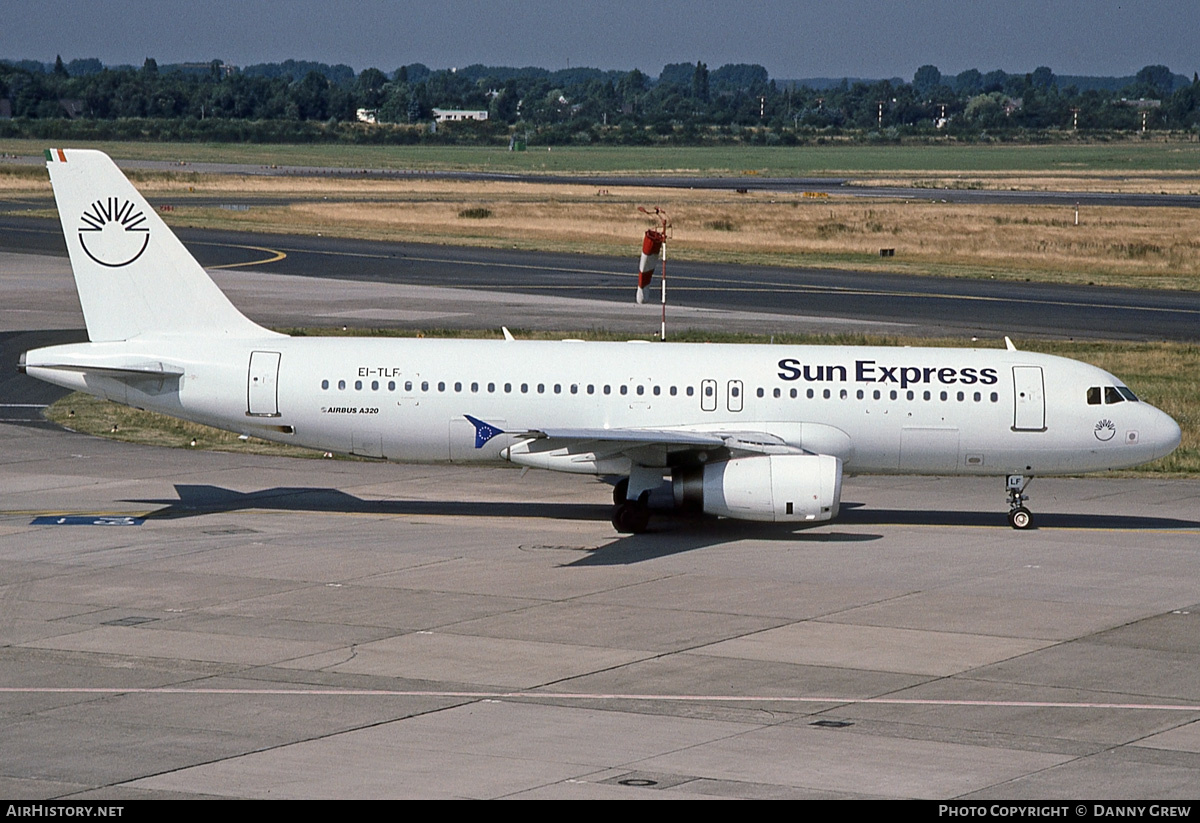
[651, 246]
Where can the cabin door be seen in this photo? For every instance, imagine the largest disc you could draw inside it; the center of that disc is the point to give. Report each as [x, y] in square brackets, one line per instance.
[262, 386]
[1029, 399]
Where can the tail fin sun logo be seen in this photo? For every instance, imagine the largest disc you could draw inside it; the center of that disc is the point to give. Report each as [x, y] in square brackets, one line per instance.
[113, 232]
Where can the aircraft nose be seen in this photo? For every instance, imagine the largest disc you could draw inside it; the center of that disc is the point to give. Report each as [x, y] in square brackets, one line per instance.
[1166, 434]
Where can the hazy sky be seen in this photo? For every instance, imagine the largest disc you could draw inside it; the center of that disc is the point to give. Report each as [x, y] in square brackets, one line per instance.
[792, 38]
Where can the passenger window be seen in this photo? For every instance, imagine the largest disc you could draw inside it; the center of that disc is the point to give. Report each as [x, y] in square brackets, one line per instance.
[641, 390]
[844, 394]
[474, 387]
[778, 393]
[691, 390]
[591, 388]
[574, 388]
[944, 396]
[995, 397]
[809, 394]
[524, 388]
[1093, 396]
[762, 393]
[978, 397]
[927, 395]
[541, 388]
[558, 388]
[961, 396]
[674, 391]
[391, 385]
[374, 385]
[1111, 395]
[825, 394]
[608, 389]
[341, 384]
[794, 394]
[491, 388]
[624, 390]
[909, 394]
[708, 391]
[408, 385]
[892, 394]
[876, 394]
[324, 384]
[859, 394]
[358, 385]
[657, 391]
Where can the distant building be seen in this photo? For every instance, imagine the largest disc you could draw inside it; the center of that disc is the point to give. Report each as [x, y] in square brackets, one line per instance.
[366, 115]
[73, 109]
[451, 115]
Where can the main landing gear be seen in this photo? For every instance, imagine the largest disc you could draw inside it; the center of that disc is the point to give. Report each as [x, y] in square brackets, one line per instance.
[1019, 517]
[630, 516]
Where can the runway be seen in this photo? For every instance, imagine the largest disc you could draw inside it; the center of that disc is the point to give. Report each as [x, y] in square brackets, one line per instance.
[871, 301]
[843, 186]
[183, 624]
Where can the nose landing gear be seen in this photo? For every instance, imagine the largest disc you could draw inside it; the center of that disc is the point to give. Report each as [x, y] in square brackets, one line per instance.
[1019, 517]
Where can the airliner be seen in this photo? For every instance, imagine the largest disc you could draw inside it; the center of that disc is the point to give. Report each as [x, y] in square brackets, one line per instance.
[750, 432]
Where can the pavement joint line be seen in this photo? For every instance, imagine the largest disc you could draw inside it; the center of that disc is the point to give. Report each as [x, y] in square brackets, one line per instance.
[614, 696]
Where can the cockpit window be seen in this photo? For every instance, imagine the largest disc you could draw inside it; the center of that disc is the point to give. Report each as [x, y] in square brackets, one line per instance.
[1127, 394]
[1094, 396]
[1111, 395]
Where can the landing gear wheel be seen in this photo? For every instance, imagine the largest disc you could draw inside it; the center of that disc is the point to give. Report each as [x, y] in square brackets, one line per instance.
[630, 517]
[620, 490]
[1020, 518]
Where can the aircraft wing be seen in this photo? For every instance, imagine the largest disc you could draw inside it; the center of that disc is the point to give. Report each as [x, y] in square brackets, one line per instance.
[641, 444]
[674, 439]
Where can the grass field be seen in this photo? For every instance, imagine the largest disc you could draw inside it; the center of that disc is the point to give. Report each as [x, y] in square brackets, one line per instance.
[1163, 374]
[1151, 155]
[1112, 245]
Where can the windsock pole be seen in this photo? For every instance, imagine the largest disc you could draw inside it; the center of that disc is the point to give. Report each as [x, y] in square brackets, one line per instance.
[654, 243]
[663, 330]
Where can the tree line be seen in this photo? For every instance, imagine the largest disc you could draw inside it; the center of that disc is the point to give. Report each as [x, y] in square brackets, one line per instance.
[687, 104]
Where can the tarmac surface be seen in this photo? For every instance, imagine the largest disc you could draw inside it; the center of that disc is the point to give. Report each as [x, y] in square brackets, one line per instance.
[225, 625]
[177, 623]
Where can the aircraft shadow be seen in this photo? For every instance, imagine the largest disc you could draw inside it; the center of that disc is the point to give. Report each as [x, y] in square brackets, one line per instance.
[669, 534]
[196, 500]
[858, 515]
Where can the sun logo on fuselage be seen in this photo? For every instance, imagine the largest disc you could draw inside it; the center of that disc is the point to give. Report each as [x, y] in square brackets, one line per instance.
[113, 232]
[1104, 430]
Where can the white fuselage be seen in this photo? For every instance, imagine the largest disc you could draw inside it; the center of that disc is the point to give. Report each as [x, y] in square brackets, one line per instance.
[878, 409]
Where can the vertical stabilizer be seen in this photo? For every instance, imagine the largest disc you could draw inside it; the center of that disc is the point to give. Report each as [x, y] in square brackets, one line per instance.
[133, 275]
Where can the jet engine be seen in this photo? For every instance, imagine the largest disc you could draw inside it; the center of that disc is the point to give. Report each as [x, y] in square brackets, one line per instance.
[803, 488]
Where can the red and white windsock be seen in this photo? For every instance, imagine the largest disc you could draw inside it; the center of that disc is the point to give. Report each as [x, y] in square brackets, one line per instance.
[651, 247]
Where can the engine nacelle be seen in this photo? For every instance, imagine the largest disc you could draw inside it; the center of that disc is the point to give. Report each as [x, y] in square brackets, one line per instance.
[804, 488]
